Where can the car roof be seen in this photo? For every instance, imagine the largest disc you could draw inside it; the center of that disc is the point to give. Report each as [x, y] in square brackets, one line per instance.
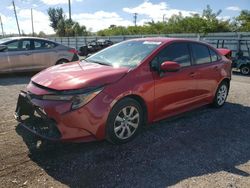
[18, 38]
[167, 39]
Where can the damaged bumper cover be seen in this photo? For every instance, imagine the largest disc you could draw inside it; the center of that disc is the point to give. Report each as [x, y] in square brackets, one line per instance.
[35, 119]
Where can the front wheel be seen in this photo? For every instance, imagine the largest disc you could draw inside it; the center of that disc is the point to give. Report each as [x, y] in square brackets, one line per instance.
[124, 122]
[221, 95]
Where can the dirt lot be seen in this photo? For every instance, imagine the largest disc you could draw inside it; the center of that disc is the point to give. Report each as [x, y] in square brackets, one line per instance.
[203, 148]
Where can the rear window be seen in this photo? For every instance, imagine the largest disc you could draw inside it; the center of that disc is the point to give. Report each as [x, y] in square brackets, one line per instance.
[214, 55]
[200, 53]
[42, 44]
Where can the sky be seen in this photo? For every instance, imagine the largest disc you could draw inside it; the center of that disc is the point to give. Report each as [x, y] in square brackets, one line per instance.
[100, 14]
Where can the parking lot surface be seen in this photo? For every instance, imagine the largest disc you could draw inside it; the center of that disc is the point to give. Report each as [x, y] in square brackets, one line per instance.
[203, 148]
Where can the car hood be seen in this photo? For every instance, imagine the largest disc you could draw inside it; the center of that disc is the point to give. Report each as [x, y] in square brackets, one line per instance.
[78, 75]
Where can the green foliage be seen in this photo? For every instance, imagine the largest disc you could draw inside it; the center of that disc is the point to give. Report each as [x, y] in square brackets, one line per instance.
[64, 27]
[207, 22]
[243, 21]
[55, 15]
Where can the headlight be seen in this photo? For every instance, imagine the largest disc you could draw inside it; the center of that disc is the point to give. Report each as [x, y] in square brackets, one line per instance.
[78, 100]
[58, 97]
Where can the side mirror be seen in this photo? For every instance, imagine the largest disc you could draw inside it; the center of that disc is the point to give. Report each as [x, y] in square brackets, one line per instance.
[3, 48]
[170, 66]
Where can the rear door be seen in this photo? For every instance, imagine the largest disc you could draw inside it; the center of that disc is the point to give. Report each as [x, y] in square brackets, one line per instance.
[174, 91]
[207, 63]
[44, 54]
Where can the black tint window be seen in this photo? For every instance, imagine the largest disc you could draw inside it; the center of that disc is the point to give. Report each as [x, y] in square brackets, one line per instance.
[214, 55]
[177, 52]
[201, 53]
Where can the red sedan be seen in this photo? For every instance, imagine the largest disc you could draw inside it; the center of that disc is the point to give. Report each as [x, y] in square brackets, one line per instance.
[115, 92]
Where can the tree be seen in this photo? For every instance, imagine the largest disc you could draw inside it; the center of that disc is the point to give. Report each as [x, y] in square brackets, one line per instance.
[243, 21]
[55, 15]
[207, 22]
[62, 26]
[42, 34]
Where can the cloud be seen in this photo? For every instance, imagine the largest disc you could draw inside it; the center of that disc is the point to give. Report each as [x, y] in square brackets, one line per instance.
[58, 2]
[55, 2]
[10, 7]
[100, 20]
[41, 22]
[156, 11]
[233, 8]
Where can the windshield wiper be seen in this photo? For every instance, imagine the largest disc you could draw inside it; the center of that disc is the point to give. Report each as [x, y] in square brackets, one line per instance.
[98, 62]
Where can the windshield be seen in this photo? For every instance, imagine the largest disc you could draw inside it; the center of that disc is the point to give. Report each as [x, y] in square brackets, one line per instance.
[3, 40]
[124, 54]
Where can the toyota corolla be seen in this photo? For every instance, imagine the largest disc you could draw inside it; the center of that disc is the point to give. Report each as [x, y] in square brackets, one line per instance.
[115, 92]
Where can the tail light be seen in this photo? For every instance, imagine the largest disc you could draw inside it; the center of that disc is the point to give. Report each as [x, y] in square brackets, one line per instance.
[73, 51]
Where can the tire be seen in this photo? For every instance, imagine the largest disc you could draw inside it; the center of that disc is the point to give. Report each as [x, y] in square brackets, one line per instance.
[120, 128]
[62, 61]
[245, 70]
[221, 95]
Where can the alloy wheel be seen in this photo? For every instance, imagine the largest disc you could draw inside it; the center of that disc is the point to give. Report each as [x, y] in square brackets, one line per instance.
[126, 122]
[222, 94]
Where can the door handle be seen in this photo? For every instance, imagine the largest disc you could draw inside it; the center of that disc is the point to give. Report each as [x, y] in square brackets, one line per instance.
[27, 54]
[216, 68]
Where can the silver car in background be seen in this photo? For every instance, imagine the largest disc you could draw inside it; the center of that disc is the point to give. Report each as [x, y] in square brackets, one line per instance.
[20, 54]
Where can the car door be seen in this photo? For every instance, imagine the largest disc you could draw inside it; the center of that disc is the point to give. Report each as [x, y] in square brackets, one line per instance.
[207, 63]
[44, 53]
[174, 91]
[19, 54]
[5, 65]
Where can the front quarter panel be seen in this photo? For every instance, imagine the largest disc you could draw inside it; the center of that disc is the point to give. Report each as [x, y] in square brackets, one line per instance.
[138, 82]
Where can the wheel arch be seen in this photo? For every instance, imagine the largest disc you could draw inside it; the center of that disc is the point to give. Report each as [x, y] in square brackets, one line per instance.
[62, 59]
[244, 64]
[142, 103]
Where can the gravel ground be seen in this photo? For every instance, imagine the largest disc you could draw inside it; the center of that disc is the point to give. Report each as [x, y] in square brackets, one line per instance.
[203, 148]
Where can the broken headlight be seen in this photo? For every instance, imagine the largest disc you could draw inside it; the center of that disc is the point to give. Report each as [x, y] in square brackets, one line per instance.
[78, 100]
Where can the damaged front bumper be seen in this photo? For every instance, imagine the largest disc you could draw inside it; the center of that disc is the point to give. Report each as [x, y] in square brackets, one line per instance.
[35, 119]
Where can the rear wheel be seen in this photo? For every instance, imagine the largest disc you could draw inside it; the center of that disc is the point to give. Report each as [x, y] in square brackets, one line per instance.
[245, 70]
[124, 122]
[221, 95]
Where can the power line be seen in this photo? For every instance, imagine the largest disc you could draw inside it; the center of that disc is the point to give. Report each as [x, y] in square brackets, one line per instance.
[16, 17]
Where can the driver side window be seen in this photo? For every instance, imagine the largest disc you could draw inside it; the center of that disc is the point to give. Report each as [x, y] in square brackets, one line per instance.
[13, 46]
[177, 52]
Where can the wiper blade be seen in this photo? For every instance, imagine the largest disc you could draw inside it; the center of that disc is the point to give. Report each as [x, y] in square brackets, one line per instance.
[99, 62]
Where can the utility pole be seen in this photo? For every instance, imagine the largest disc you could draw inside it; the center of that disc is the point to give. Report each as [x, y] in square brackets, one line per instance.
[135, 18]
[16, 17]
[2, 26]
[32, 22]
[69, 10]
[163, 17]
